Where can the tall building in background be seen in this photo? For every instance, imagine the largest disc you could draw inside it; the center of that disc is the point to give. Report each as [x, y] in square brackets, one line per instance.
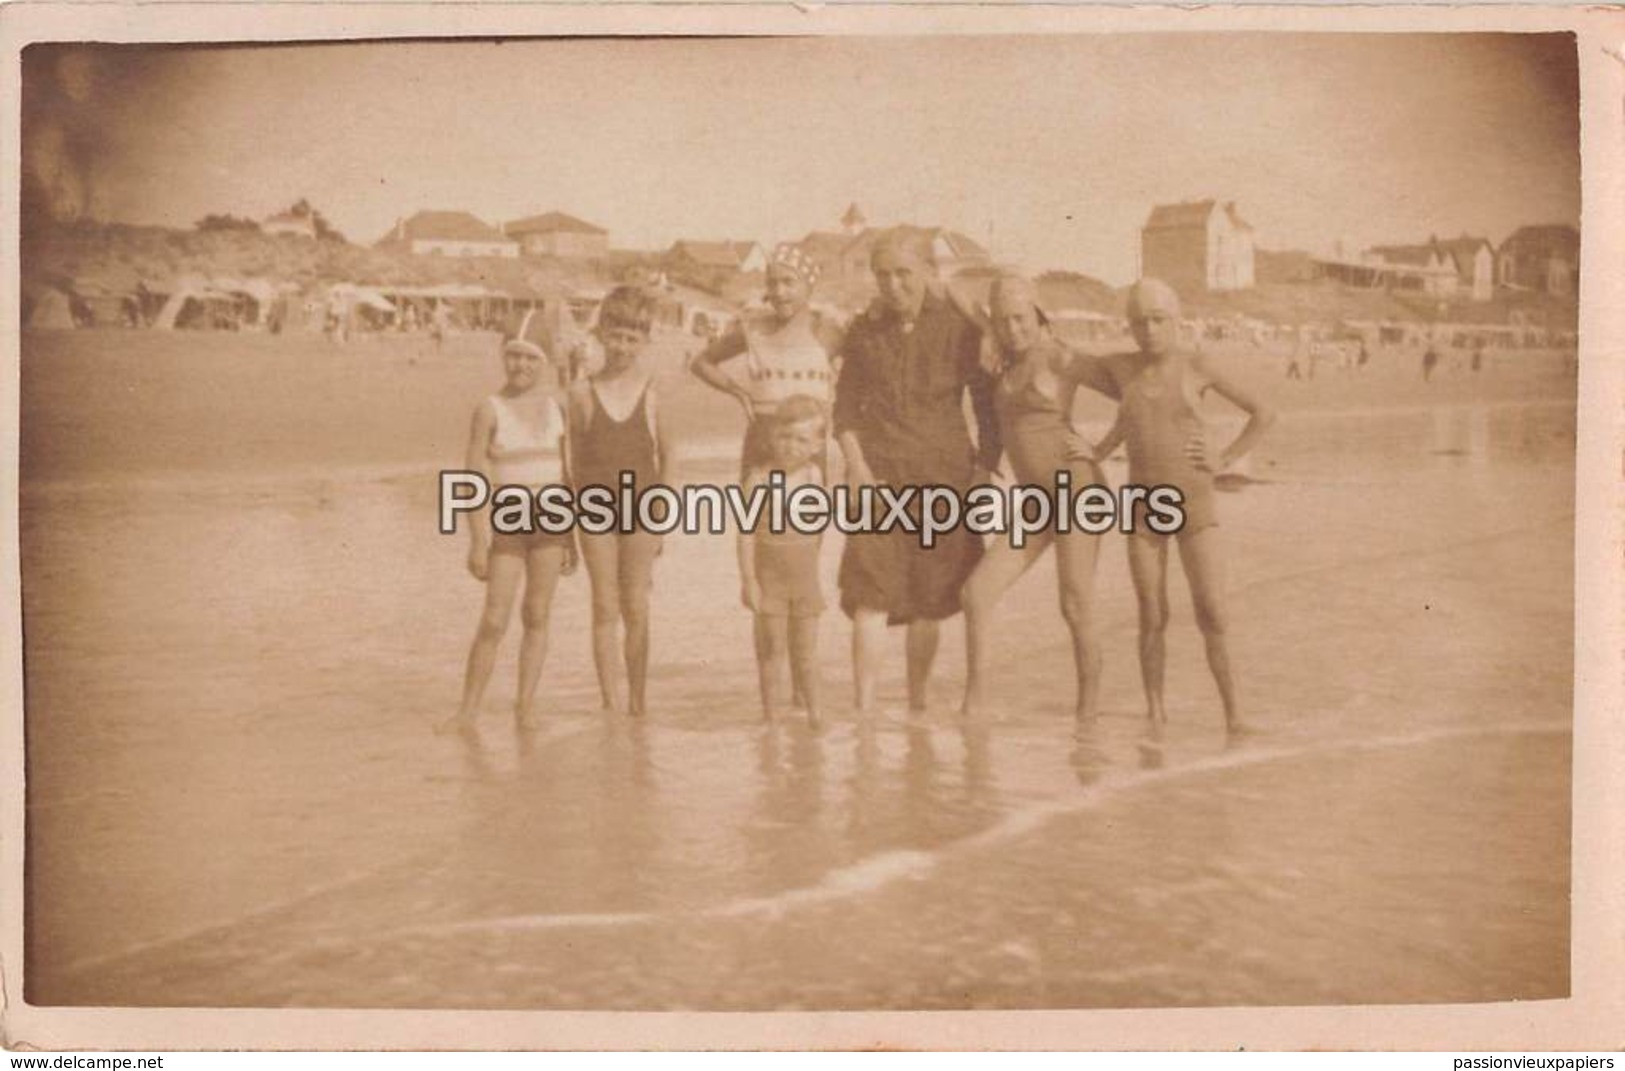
[1197, 246]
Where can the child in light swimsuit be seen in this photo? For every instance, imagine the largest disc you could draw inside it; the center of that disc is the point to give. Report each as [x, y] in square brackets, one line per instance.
[778, 571]
[615, 428]
[517, 439]
[1161, 422]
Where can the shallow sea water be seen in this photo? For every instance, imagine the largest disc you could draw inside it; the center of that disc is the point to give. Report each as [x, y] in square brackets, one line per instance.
[235, 798]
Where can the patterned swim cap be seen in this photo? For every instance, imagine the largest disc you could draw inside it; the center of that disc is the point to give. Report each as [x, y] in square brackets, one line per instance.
[796, 259]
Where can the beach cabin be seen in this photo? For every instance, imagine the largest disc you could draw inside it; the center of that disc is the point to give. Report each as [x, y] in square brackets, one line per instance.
[47, 308]
[1474, 262]
[1544, 259]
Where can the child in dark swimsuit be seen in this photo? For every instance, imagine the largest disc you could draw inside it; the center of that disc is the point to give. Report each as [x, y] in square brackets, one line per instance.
[1161, 421]
[615, 428]
[778, 571]
[1037, 381]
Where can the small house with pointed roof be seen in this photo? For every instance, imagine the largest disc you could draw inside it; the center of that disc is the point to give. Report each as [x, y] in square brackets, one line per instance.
[1474, 262]
[1425, 267]
[558, 234]
[741, 257]
[451, 234]
[953, 252]
[1198, 246]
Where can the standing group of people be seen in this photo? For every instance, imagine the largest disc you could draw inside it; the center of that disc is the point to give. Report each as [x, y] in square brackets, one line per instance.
[890, 389]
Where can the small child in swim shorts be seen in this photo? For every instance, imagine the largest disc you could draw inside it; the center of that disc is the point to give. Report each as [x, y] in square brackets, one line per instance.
[778, 572]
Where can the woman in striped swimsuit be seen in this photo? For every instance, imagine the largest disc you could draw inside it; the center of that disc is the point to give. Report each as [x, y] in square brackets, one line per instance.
[785, 350]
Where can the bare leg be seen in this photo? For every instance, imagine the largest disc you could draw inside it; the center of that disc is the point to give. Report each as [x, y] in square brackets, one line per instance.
[1202, 554]
[542, 568]
[868, 644]
[758, 631]
[1075, 557]
[637, 553]
[603, 570]
[501, 585]
[772, 646]
[804, 663]
[922, 651]
[1148, 566]
[999, 568]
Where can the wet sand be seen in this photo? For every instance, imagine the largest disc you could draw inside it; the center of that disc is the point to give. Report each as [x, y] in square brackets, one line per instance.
[235, 799]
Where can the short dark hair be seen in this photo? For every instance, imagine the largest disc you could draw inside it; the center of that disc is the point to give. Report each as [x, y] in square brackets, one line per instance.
[631, 308]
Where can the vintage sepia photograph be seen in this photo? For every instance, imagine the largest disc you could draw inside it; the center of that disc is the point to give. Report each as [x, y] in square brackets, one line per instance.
[800, 523]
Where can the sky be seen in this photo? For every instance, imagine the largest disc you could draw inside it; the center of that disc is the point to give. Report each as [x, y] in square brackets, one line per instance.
[1049, 150]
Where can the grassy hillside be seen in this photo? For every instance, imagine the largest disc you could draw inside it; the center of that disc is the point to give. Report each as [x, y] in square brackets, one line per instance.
[116, 257]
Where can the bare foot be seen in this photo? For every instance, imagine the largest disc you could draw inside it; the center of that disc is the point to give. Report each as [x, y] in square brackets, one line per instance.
[460, 725]
[526, 720]
[1236, 731]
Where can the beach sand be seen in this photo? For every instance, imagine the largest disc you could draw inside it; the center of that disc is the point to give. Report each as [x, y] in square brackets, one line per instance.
[241, 625]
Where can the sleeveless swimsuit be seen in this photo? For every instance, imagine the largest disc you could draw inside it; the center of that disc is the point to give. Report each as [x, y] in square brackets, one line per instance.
[1035, 424]
[1160, 418]
[525, 456]
[778, 365]
[607, 447]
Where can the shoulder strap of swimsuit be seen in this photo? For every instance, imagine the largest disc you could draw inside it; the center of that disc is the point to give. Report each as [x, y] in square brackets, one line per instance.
[500, 417]
[649, 415]
[598, 406]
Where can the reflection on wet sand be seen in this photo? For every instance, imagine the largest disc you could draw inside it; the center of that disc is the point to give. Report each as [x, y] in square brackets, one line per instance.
[236, 799]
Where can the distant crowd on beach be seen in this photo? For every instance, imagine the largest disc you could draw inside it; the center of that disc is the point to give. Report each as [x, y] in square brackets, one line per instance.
[917, 389]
